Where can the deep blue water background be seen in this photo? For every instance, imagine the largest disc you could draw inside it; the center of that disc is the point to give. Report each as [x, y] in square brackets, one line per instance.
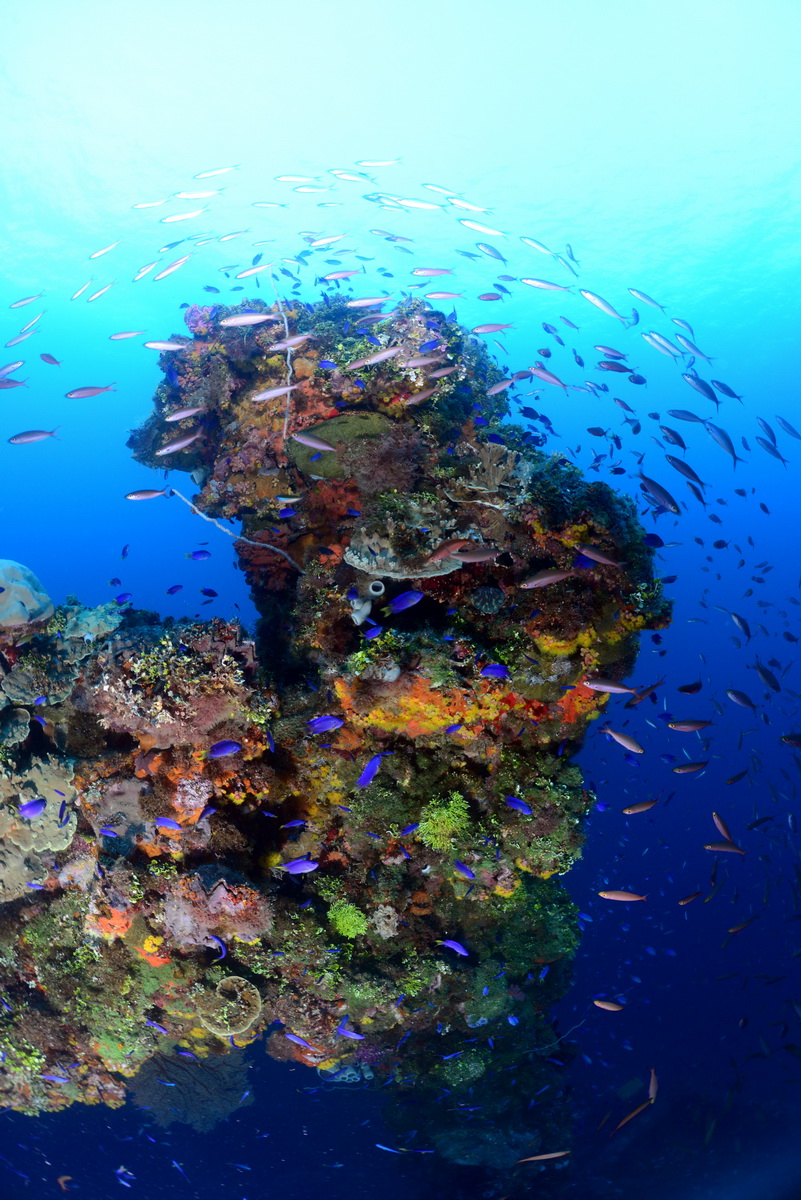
[661, 146]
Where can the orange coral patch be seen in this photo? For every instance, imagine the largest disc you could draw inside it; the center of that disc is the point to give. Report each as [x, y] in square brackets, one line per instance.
[155, 960]
[576, 704]
[116, 925]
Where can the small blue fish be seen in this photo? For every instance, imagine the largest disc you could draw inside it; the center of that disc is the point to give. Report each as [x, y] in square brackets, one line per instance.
[462, 869]
[326, 364]
[32, 808]
[324, 724]
[155, 1025]
[168, 823]
[40, 700]
[293, 824]
[371, 770]
[209, 592]
[40, 721]
[495, 671]
[426, 346]
[106, 831]
[369, 634]
[403, 601]
[300, 866]
[348, 1033]
[287, 512]
[457, 946]
[208, 811]
[453, 728]
[410, 829]
[176, 587]
[299, 1041]
[520, 805]
[223, 749]
[222, 947]
[199, 555]
[55, 1078]
[123, 598]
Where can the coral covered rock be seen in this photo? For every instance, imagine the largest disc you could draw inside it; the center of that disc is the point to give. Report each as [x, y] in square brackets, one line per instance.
[372, 856]
[23, 600]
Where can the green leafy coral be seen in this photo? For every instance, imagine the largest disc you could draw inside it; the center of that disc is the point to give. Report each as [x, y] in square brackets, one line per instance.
[442, 821]
[347, 919]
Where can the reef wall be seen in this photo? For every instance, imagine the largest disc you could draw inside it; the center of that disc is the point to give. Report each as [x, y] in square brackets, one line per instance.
[343, 835]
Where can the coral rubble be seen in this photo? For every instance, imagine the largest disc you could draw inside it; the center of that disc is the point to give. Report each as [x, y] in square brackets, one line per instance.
[363, 873]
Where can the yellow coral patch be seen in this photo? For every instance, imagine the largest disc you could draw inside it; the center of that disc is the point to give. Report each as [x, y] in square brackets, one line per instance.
[499, 890]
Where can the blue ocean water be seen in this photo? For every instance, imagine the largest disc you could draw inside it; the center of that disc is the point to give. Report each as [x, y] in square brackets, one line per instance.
[661, 148]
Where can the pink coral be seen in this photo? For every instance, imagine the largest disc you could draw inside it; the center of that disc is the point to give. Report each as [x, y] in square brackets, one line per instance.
[198, 318]
[193, 916]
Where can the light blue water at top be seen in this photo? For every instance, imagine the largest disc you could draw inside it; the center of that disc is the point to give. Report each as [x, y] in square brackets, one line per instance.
[660, 145]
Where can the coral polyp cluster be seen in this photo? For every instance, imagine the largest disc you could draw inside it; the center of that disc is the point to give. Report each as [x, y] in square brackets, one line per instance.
[342, 835]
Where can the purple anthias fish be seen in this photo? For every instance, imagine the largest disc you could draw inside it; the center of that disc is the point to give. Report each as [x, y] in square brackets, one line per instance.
[520, 805]
[404, 600]
[371, 770]
[223, 749]
[324, 724]
[457, 946]
[348, 1033]
[495, 671]
[32, 808]
[220, 945]
[299, 1041]
[300, 866]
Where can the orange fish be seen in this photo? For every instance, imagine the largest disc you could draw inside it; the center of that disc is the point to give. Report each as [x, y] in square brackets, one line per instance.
[642, 806]
[741, 926]
[688, 899]
[653, 1086]
[625, 896]
[542, 1157]
[448, 549]
[609, 1005]
[722, 827]
[630, 1117]
[721, 847]
[62, 1182]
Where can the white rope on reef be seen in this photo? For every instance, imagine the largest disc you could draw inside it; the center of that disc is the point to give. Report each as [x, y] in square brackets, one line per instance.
[288, 380]
[238, 537]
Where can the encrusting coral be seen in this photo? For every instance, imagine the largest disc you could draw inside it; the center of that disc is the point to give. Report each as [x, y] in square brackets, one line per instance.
[395, 777]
